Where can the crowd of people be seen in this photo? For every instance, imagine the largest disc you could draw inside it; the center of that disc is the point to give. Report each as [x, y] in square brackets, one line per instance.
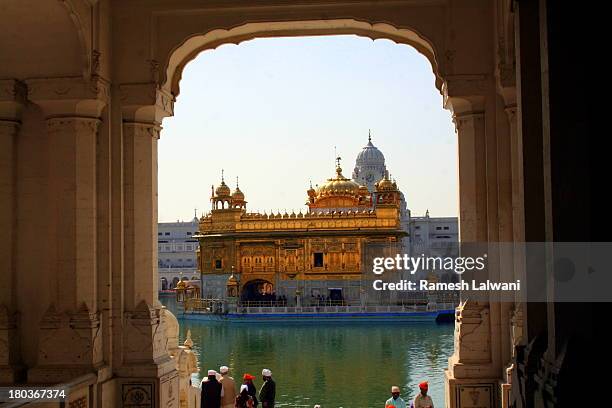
[219, 390]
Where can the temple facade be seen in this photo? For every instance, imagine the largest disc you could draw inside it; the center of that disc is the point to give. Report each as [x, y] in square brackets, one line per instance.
[323, 253]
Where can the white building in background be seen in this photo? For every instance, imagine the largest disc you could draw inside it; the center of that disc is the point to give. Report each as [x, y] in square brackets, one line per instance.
[176, 252]
[435, 237]
[429, 236]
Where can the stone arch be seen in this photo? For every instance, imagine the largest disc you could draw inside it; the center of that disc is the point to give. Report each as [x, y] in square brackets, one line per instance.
[181, 55]
[256, 290]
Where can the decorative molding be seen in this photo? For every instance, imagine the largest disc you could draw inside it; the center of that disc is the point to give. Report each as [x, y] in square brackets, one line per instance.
[72, 124]
[70, 340]
[13, 97]
[467, 119]
[75, 88]
[137, 395]
[142, 129]
[145, 102]
[465, 93]
[12, 90]
[9, 128]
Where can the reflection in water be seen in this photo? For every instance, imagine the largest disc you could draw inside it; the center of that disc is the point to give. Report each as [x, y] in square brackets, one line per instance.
[336, 365]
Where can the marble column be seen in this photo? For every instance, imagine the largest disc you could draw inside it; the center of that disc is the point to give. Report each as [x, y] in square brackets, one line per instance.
[147, 371]
[9, 343]
[12, 101]
[472, 376]
[69, 337]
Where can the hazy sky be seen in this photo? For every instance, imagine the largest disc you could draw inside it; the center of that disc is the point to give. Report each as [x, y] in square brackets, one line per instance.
[271, 111]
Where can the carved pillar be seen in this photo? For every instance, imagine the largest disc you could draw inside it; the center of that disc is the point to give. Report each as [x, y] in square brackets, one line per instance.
[147, 372]
[472, 376]
[12, 99]
[70, 342]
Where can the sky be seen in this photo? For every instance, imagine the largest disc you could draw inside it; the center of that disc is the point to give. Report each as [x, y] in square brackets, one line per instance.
[272, 111]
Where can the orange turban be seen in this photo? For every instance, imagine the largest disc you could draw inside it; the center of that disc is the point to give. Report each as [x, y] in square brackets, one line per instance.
[248, 377]
[423, 385]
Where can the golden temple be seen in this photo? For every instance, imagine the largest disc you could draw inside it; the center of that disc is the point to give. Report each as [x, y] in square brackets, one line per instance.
[321, 252]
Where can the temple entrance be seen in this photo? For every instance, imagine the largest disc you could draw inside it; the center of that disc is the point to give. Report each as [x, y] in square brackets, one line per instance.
[336, 296]
[258, 290]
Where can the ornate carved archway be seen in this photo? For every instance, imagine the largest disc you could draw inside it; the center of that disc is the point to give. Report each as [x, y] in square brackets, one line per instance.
[195, 44]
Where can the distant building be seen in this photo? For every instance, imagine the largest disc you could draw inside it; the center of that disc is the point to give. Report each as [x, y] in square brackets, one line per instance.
[176, 252]
[434, 236]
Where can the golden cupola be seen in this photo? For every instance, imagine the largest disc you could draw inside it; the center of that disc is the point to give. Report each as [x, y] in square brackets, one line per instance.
[223, 190]
[222, 197]
[238, 194]
[336, 192]
[238, 197]
[387, 191]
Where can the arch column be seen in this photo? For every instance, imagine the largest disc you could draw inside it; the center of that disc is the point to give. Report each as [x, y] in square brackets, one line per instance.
[72, 108]
[12, 101]
[147, 371]
[474, 369]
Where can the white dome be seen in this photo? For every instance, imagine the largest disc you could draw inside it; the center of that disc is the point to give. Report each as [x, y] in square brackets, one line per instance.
[370, 156]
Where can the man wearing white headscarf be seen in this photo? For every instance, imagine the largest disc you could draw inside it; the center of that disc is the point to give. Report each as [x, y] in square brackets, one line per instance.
[229, 388]
[267, 393]
[212, 391]
[395, 401]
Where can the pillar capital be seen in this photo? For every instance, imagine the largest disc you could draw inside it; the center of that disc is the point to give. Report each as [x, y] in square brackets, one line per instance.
[467, 119]
[70, 96]
[145, 103]
[465, 93]
[9, 128]
[72, 124]
[142, 129]
[13, 96]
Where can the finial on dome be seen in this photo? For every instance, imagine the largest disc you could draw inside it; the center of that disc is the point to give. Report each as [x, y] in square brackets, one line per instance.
[369, 136]
[338, 168]
[222, 179]
[236, 182]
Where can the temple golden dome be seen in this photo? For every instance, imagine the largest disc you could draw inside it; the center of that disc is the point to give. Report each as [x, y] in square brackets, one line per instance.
[238, 194]
[338, 185]
[385, 184]
[223, 190]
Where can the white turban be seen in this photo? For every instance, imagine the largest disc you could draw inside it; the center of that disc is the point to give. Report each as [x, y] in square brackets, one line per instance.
[223, 369]
[212, 372]
[266, 373]
[243, 387]
[395, 388]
